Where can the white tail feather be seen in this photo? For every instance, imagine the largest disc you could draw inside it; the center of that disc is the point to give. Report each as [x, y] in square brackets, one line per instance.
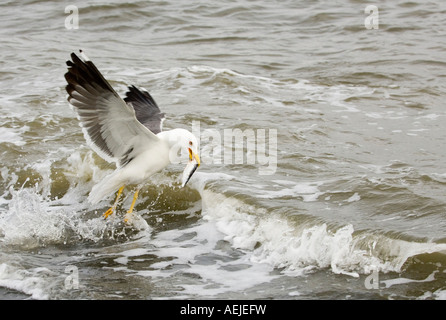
[107, 186]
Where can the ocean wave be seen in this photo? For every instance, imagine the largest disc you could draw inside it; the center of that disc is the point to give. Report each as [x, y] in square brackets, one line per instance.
[296, 247]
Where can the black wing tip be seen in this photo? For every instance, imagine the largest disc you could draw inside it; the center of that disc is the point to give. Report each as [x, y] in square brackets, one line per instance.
[82, 71]
[146, 110]
[133, 90]
[140, 94]
[77, 60]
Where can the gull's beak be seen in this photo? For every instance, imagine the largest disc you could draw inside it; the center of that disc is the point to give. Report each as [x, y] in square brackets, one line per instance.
[195, 156]
[193, 164]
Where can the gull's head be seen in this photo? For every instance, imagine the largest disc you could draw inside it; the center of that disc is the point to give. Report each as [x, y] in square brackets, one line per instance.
[182, 144]
[190, 142]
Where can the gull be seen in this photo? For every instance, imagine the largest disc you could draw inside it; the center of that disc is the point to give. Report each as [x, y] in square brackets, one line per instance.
[125, 131]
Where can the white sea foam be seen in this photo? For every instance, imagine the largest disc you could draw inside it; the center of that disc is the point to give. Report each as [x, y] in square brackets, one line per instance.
[440, 294]
[33, 218]
[354, 197]
[13, 135]
[197, 251]
[307, 191]
[31, 282]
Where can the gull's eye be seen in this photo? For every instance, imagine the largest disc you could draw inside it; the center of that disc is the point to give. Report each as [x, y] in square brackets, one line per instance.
[190, 143]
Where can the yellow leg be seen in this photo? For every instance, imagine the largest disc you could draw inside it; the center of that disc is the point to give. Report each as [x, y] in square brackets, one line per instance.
[129, 213]
[113, 208]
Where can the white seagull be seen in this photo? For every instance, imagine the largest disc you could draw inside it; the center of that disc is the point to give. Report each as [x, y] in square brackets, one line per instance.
[125, 131]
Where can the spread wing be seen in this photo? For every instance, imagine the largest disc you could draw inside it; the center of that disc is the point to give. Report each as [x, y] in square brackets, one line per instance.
[109, 124]
[146, 110]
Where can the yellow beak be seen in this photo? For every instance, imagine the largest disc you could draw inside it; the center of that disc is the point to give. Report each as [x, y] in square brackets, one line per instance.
[193, 155]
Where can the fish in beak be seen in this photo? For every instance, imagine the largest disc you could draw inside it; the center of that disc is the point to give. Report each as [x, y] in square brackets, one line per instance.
[192, 165]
